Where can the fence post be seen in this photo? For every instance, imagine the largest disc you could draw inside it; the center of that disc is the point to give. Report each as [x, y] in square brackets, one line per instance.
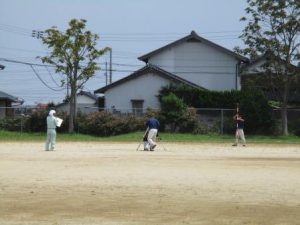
[222, 121]
[21, 123]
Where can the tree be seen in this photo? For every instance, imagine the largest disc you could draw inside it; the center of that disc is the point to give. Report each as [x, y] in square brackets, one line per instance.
[274, 26]
[172, 109]
[73, 53]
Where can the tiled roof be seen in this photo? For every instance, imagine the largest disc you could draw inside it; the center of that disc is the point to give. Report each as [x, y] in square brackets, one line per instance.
[11, 98]
[147, 69]
[193, 36]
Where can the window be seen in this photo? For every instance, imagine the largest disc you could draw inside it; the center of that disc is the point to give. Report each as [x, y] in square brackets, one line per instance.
[137, 107]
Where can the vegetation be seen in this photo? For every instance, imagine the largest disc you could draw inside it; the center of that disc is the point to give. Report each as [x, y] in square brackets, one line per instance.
[274, 26]
[107, 124]
[172, 110]
[74, 54]
[98, 124]
[252, 104]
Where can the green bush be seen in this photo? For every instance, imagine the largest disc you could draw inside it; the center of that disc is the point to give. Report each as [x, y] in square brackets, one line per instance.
[252, 104]
[13, 124]
[190, 122]
[295, 127]
[106, 124]
[36, 122]
[172, 110]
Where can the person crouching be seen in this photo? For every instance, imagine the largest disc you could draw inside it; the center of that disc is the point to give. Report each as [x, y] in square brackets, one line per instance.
[153, 126]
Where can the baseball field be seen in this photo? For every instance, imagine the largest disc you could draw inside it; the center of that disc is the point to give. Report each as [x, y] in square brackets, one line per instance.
[113, 184]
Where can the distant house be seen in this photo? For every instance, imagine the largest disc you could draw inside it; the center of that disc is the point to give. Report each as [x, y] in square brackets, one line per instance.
[192, 60]
[139, 90]
[86, 103]
[256, 74]
[259, 64]
[6, 103]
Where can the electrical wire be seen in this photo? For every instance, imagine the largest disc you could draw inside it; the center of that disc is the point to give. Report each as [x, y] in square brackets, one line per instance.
[35, 72]
[52, 78]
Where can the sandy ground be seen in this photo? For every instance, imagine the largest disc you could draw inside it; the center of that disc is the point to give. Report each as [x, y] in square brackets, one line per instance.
[113, 184]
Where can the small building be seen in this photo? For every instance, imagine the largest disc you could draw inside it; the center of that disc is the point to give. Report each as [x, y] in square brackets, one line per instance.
[6, 104]
[86, 103]
[260, 73]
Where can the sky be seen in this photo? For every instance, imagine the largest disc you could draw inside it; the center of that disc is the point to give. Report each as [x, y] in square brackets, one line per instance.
[131, 28]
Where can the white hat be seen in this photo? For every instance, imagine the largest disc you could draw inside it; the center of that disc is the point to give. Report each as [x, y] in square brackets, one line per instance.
[51, 112]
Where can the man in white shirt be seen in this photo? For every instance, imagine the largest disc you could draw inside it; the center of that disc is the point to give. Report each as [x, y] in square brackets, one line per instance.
[52, 123]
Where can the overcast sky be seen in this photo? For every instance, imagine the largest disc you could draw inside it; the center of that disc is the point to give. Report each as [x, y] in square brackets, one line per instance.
[131, 28]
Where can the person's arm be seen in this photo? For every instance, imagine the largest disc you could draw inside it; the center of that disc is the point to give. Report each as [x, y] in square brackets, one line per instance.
[240, 119]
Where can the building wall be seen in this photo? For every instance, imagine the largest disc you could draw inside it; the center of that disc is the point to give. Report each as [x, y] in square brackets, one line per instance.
[84, 104]
[83, 99]
[145, 87]
[200, 64]
[255, 68]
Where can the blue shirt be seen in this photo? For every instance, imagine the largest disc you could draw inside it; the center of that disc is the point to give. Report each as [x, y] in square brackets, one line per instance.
[152, 123]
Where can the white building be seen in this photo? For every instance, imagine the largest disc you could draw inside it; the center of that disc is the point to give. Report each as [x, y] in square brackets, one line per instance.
[86, 103]
[192, 60]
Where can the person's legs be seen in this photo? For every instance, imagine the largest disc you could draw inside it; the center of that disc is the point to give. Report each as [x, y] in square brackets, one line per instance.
[236, 138]
[152, 138]
[47, 147]
[242, 136]
[53, 139]
[146, 146]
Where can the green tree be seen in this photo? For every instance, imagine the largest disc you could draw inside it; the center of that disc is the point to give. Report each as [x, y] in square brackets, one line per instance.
[74, 55]
[172, 109]
[274, 26]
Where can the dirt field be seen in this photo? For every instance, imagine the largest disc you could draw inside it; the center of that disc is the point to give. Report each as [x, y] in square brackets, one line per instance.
[113, 184]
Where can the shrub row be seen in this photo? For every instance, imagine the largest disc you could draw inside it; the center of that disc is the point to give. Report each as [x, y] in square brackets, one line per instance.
[253, 105]
[98, 123]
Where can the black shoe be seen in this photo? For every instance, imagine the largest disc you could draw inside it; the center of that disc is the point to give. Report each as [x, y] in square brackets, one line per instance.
[234, 145]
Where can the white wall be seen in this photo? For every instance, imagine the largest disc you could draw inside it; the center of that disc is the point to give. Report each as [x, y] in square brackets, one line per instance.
[200, 64]
[255, 68]
[83, 99]
[84, 104]
[145, 87]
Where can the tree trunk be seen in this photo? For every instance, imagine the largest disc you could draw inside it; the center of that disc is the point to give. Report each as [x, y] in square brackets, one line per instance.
[72, 108]
[75, 110]
[284, 119]
[71, 114]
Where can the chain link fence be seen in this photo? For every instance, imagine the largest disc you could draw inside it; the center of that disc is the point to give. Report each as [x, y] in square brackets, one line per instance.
[215, 120]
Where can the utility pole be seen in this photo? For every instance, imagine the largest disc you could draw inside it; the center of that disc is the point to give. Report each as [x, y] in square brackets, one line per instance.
[110, 65]
[106, 74]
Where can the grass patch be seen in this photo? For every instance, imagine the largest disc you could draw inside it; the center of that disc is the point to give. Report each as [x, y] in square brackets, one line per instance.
[137, 136]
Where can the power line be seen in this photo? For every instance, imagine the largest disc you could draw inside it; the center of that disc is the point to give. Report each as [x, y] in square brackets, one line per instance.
[52, 77]
[25, 63]
[149, 36]
[184, 72]
[23, 50]
[35, 72]
[44, 81]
